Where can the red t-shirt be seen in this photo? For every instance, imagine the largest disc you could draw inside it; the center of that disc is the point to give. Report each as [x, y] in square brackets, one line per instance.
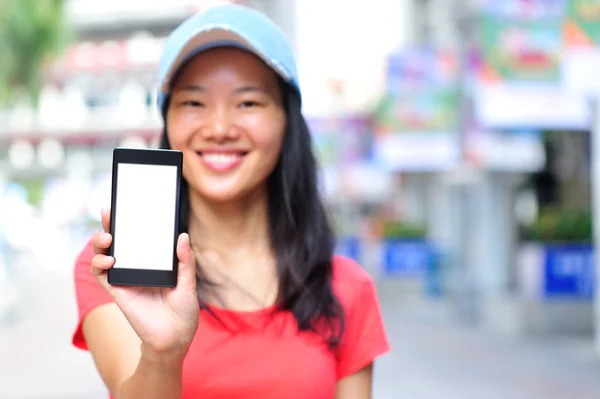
[273, 361]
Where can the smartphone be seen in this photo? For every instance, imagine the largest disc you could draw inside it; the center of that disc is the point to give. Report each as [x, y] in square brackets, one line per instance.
[144, 220]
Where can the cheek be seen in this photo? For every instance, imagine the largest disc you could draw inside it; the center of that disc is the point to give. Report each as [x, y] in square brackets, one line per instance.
[177, 136]
[269, 146]
[269, 150]
[268, 139]
[178, 139]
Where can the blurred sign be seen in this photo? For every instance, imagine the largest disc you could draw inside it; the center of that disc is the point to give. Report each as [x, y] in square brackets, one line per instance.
[120, 55]
[427, 110]
[581, 36]
[580, 68]
[415, 123]
[420, 151]
[521, 40]
[524, 8]
[569, 271]
[582, 25]
[417, 68]
[514, 152]
[340, 141]
[365, 182]
[527, 77]
[406, 258]
[535, 106]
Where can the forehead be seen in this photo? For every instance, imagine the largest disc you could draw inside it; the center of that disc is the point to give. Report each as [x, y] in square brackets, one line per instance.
[226, 64]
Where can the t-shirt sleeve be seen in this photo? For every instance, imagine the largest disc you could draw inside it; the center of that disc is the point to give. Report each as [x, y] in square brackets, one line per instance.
[88, 291]
[364, 337]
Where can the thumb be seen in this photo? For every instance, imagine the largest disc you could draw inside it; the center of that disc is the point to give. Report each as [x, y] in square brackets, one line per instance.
[186, 272]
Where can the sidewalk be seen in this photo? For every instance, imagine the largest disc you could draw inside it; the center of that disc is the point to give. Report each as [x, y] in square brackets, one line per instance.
[37, 360]
[431, 358]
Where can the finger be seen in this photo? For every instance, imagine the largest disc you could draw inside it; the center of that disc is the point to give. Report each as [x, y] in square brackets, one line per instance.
[101, 242]
[100, 265]
[186, 274]
[105, 216]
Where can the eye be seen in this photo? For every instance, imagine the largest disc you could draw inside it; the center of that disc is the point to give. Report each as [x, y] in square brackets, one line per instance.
[248, 104]
[192, 103]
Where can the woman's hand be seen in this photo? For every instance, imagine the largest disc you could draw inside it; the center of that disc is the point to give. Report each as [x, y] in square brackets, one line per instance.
[165, 319]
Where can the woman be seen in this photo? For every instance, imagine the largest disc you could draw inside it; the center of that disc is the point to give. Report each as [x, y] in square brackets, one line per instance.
[262, 309]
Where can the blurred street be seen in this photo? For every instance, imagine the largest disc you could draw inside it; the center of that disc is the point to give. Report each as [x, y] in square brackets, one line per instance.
[458, 155]
[432, 357]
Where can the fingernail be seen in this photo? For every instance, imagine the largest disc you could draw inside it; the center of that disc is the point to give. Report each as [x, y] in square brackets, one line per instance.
[108, 260]
[105, 236]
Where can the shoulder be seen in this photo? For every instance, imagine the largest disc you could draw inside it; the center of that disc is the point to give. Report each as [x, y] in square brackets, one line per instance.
[351, 281]
[347, 273]
[364, 338]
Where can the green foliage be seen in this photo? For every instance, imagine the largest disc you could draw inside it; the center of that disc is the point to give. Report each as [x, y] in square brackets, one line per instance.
[31, 31]
[402, 230]
[35, 190]
[554, 225]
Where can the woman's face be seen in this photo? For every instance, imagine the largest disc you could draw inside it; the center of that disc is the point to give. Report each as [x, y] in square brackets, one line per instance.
[226, 115]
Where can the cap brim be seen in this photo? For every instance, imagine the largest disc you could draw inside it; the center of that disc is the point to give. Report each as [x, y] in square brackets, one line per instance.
[207, 40]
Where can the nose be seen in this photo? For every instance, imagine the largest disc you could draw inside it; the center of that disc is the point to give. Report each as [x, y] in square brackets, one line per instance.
[219, 125]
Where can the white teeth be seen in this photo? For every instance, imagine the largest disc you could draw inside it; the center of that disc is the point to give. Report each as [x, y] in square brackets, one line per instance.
[221, 158]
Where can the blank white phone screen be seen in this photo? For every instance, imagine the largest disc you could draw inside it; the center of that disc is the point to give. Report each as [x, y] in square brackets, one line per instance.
[145, 216]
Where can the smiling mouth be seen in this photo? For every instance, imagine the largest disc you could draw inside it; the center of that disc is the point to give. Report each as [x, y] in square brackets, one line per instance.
[222, 161]
[221, 158]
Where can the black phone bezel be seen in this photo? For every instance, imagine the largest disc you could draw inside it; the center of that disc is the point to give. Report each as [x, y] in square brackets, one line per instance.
[144, 277]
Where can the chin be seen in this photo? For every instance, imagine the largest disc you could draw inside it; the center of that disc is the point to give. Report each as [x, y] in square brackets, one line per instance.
[221, 198]
[223, 191]
[221, 194]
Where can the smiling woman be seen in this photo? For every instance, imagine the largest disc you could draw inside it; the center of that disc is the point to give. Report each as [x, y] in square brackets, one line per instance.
[227, 116]
[262, 307]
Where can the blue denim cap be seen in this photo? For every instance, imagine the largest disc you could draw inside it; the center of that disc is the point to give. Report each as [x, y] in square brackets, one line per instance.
[227, 25]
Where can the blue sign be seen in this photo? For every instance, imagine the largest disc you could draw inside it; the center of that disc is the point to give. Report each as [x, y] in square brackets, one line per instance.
[348, 247]
[409, 258]
[569, 271]
[421, 67]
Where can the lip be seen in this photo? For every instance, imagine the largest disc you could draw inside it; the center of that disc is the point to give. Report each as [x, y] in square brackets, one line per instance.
[221, 159]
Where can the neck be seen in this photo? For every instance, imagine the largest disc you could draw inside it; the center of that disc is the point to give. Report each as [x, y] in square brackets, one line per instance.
[233, 230]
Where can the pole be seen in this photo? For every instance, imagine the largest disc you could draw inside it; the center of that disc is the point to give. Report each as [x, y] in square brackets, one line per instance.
[463, 20]
[595, 161]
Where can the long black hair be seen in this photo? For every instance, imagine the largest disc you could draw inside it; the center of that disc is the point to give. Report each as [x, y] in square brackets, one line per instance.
[300, 230]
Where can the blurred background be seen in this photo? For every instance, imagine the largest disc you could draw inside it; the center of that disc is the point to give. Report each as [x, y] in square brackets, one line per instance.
[457, 144]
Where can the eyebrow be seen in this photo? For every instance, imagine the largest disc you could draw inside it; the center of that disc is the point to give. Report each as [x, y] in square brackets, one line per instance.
[249, 88]
[241, 89]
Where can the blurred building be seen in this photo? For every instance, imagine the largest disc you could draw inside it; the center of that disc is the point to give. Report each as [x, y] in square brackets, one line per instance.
[99, 94]
[101, 91]
[413, 123]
